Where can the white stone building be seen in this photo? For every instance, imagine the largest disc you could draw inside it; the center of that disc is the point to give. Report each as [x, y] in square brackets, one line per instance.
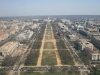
[82, 43]
[8, 49]
[24, 35]
[94, 55]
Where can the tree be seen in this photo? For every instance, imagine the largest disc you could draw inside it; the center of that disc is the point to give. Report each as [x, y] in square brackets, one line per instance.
[52, 68]
[9, 60]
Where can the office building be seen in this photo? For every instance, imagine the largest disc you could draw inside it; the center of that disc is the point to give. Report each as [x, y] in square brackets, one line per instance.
[94, 55]
[96, 41]
[82, 43]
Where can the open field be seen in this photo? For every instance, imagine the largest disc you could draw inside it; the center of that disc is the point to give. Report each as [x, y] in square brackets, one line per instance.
[48, 27]
[60, 44]
[66, 58]
[48, 32]
[32, 58]
[48, 45]
[3, 73]
[49, 37]
[9, 60]
[53, 73]
[49, 58]
[39, 36]
[37, 45]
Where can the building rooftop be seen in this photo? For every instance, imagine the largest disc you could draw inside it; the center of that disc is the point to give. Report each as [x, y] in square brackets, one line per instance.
[80, 40]
[2, 33]
[92, 29]
[92, 51]
[97, 37]
[8, 46]
[87, 44]
[84, 42]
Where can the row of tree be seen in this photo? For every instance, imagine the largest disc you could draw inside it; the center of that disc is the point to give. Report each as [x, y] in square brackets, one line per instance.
[60, 44]
[85, 58]
[32, 58]
[34, 53]
[9, 60]
[3, 73]
[55, 31]
[40, 35]
[37, 45]
[94, 71]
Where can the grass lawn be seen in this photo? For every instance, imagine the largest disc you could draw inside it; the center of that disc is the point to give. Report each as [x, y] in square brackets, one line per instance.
[48, 32]
[37, 45]
[60, 44]
[0, 63]
[32, 58]
[54, 73]
[48, 27]
[3, 73]
[65, 57]
[49, 58]
[85, 58]
[72, 43]
[48, 37]
[48, 45]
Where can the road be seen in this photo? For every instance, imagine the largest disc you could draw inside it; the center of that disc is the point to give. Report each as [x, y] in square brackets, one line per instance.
[57, 68]
[46, 68]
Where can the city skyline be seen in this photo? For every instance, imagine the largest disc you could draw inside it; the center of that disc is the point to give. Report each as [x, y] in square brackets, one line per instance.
[49, 7]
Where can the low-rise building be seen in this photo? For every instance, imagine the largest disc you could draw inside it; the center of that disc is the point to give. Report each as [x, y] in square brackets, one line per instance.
[35, 26]
[92, 29]
[84, 32]
[8, 49]
[96, 41]
[82, 43]
[78, 27]
[26, 35]
[3, 35]
[72, 37]
[94, 55]
[63, 27]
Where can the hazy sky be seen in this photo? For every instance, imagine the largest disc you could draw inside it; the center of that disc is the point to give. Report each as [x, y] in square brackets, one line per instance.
[49, 7]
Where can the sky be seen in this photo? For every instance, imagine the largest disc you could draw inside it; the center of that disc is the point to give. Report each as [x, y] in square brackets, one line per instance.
[49, 7]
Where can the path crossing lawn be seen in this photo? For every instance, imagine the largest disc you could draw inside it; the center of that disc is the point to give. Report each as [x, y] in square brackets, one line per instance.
[48, 45]
[49, 58]
[48, 37]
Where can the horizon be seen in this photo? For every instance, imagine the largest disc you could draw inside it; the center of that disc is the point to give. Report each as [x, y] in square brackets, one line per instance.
[45, 15]
[10, 8]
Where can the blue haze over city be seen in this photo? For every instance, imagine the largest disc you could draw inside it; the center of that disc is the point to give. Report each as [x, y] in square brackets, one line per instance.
[49, 7]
